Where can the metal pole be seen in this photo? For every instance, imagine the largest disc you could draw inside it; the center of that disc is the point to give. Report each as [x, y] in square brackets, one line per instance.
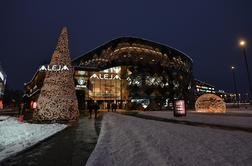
[248, 75]
[235, 87]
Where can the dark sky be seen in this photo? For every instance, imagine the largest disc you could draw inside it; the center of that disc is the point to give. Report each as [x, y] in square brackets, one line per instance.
[206, 30]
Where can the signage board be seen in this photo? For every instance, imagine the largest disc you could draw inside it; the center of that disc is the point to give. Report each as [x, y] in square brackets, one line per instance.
[105, 76]
[180, 108]
[54, 68]
[81, 83]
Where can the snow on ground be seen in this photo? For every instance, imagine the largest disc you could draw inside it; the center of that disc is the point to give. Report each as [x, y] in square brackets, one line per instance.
[16, 136]
[226, 120]
[126, 140]
[3, 117]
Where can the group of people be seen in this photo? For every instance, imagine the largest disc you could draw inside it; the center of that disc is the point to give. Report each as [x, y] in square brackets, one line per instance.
[93, 106]
[113, 106]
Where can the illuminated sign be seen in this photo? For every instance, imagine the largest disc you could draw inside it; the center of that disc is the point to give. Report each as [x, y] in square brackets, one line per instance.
[113, 70]
[81, 83]
[81, 86]
[180, 108]
[54, 68]
[105, 76]
[34, 106]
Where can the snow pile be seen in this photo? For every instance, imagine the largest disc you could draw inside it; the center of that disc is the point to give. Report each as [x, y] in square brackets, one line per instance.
[126, 140]
[16, 136]
[3, 117]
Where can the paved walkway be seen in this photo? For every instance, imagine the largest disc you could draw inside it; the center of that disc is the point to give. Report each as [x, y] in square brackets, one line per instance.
[72, 146]
[130, 141]
[236, 121]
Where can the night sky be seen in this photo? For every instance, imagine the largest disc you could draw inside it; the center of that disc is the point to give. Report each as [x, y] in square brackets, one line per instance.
[206, 30]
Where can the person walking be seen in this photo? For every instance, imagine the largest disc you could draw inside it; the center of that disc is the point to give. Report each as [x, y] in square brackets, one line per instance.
[114, 106]
[21, 108]
[90, 108]
[108, 106]
[21, 112]
[96, 108]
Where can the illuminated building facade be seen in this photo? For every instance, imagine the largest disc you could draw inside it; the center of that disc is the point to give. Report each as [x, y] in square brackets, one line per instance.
[202, 88]
[128, 70]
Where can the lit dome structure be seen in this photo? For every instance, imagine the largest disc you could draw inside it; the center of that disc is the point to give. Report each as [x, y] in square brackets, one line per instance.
[129, 68]
[210, 103]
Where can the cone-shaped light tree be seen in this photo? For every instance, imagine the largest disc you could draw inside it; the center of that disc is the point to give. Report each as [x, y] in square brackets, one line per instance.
[57, 101]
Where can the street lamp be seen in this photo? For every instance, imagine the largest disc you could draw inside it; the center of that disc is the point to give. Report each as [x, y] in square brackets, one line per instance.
[242, 44]
[235, 87]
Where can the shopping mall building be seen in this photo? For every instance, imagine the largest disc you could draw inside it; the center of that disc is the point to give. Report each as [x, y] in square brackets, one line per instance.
[128, 71]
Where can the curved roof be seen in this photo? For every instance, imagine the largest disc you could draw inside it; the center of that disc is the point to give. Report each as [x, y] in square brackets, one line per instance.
[130, 51]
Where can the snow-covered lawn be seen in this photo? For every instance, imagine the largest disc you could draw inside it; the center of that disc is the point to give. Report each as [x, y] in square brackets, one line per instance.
[126, 140]
[16, 136]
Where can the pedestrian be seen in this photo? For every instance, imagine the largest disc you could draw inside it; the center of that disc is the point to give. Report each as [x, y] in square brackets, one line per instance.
[90, 108]
[96, 108]
[114, 106]
[21, 108]
[21, 112]
[108, 106]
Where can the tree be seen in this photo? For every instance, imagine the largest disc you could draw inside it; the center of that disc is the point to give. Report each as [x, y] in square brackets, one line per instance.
[57, 100]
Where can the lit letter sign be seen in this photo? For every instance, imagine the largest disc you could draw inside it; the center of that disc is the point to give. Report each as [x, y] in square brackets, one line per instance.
[116, 77]
[42, 68]
[54, 68]
[94, 76]
[64, 68]
[105, 77]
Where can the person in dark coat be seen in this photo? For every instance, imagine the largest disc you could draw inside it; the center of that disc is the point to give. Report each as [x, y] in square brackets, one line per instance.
[114, 106]
[96, 108]
[90, 108]
[21, 108]
[108, 107]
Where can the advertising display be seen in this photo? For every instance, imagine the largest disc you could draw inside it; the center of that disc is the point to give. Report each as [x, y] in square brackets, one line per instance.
[180, 108]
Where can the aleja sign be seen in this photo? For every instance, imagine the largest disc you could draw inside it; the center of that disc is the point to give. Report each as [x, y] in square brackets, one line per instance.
[105, 76]
[54, 68]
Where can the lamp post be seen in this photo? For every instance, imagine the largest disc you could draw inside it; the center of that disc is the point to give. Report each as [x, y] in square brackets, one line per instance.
[235, 87]
[242, 44]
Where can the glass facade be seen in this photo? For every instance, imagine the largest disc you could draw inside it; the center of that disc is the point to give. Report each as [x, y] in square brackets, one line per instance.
[105, 86]
[123, 84]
